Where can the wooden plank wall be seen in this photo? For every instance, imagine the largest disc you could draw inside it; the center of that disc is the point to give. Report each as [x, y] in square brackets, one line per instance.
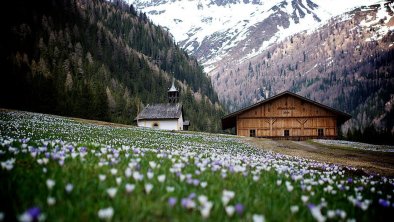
[301, 118]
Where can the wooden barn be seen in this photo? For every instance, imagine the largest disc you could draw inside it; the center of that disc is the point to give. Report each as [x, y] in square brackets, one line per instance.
[286, 116]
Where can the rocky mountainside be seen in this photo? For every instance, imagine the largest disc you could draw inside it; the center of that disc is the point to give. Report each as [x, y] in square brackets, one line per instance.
[221, 30]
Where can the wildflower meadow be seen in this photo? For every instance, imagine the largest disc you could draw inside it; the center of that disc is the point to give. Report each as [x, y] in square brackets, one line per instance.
[59, 169]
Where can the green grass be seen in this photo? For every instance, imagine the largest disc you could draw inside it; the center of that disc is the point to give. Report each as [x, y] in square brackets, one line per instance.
[198, 154]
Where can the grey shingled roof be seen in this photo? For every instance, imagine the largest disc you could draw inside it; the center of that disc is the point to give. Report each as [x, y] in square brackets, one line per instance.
[161, 111]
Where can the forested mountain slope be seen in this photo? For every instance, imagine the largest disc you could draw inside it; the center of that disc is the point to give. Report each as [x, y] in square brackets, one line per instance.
[97, 60]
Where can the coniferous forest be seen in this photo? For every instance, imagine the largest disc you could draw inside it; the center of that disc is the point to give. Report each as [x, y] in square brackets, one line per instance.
[98, 60]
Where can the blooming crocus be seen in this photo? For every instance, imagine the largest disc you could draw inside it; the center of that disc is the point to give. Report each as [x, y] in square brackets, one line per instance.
[202, 199]
[206, 209]
[102, 177]
[289, 186]
[203, 184]
[316, 213]
[294, 209]
[172, 201]
[188, 203]
[384, 203]
[330, 214]
[34, 213]
[239, 208]
[51, 201]
[148, 188]
[112, 192]
[161, 178]
[229, 210]
[304, 198]
[278, 182]
[128, 172]
[258, 218]
[196, 182]
[114, 171]
[50, 184]
[118, 180]
[150, 174]
[152, 164]
[129, 187]
[69, 187]
[170, 189]
[106, 213]
[137, 176]
[227, 196]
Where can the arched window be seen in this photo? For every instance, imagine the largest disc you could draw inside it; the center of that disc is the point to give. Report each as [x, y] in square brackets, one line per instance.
[155, 125]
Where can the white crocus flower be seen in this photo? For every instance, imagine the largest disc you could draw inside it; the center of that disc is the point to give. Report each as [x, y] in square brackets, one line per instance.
[304, 198]
[294, 209]
[50, 183]
[51, 201]
[102, 177]
[114, 171]
[130, 188]
[69, 187]
[118, 180]
[161, 178]
[258, 218]
[112, 192]
[230, 210]
[148, 188]
[106, 213]
[150, 174]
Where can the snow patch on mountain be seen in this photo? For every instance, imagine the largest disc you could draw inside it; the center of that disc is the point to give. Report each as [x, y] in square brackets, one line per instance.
[215, 29]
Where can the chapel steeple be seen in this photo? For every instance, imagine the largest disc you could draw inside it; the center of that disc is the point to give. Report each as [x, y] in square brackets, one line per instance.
[173, 93]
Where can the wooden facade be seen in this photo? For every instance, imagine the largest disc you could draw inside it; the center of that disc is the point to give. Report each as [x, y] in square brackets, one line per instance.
[286, 116]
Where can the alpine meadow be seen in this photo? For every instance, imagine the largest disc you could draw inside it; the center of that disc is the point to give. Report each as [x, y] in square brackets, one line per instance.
[197, 110]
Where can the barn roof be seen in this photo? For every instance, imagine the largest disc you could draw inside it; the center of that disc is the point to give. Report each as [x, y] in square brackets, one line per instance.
[230, 120]
[161, 111]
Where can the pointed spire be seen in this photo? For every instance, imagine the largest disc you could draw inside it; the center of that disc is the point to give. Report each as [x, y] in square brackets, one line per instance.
[173, 93]
[173, 88]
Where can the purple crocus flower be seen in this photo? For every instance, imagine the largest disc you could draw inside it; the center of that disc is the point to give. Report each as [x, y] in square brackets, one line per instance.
[184, 202]
[192, 195]
[350, 180]
[310, 206]
[239, 208]
[384, 203]
[34, 212]
[172, 201]
[196, 182]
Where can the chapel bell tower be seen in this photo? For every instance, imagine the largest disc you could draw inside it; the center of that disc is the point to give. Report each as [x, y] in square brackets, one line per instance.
[173, 93]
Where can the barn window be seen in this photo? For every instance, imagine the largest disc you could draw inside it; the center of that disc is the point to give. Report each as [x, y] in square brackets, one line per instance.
[252, 133]
[155, 125]
[320, 132]
[286, 133]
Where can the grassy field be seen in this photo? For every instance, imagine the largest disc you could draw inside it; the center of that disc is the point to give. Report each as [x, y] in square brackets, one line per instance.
[59, 169]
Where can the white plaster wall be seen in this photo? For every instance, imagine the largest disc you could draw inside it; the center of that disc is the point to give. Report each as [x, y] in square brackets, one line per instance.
[172, 124]
[180, 123]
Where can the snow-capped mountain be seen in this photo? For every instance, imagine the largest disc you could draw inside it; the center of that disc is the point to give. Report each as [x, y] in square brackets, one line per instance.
[217, 31]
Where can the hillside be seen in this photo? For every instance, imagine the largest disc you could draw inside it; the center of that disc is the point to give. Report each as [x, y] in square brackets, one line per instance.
[98, 60]
[57, 169]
